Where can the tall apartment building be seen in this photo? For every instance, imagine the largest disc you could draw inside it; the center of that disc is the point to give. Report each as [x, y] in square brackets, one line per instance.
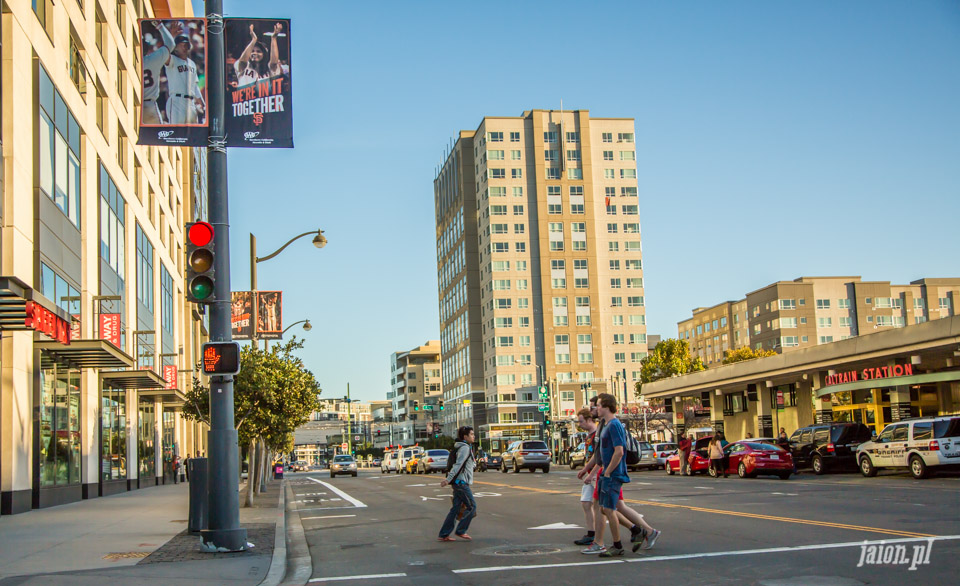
[415, 393]
[539, 263]
[91, 230]
[814, 310]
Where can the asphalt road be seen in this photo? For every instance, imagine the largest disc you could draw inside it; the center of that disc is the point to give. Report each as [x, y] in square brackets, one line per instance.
[377, 529]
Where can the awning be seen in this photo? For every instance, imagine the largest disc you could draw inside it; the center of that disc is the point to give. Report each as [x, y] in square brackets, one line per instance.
[14, 295]
[883, 383]
[84, 354]
[169, 397]
[132, 379]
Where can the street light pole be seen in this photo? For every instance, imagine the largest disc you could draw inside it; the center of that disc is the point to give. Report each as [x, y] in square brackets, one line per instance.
[223, 532]
[349, 431]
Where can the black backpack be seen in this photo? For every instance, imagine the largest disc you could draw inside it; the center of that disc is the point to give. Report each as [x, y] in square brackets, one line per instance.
[452, 459]
[631, 452]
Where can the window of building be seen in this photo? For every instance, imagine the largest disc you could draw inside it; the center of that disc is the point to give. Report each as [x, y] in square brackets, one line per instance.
[59, 150]
[576, 208]
[614, 265]
[552, 172]
[628, 156]
[789, 341]
[111, 223]
[607, 137]
[516, 173]
[826, 339]
[514, 137]
[843, 303]
[497, 173]
[581, 283]
[495, 136]
[635, 301]
[573, 155]
[520, 246]
[625, 137]
[166, 300]
[788, 322]
[615, 283]
[495, 155]
[918, 303]
[575, 174]
[823, 304]
[558, 283]
[562, 358]
[77, 69]
[113, 433]
[788, 304]
[628, 173]
[516, 155]
[555, 208]
[144, 270]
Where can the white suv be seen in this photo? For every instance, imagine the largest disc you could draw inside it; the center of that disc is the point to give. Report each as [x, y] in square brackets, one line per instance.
[389, 462]
[918, 444]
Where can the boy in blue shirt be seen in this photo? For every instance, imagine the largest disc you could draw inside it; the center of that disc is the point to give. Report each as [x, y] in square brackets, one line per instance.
[613, 443]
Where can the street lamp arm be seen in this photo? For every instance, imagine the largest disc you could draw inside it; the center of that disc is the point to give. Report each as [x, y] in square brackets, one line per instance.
[291, 241]
[293, 324]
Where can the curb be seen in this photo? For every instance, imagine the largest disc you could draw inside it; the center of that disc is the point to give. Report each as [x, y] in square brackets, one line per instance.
[300, 561]
[278, 565]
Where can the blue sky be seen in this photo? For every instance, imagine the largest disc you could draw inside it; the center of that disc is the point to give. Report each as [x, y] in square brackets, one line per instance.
[774, 140]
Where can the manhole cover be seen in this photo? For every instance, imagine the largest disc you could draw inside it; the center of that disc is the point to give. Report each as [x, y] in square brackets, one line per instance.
[527, 550]
[126, 555]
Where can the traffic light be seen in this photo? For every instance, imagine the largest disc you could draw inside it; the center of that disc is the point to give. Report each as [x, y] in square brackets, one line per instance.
[546, 420]
[200, 255]
[441, 405]
[416, 405]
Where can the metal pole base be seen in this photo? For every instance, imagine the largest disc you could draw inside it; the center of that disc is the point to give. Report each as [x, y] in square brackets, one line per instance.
[223, 540]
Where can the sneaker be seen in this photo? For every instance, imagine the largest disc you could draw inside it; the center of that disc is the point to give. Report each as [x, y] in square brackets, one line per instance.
[594, 549]
[638, 536]
[652, 539]
[585, 540]
[612, 552]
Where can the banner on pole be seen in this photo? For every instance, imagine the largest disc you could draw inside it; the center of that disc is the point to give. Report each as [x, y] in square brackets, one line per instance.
[170, 376]
[173, 87]
[269, 315]
[110, 328]
[259, 107]
[242, 311]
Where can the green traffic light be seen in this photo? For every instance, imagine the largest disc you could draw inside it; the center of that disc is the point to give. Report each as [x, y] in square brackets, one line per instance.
[201, 287]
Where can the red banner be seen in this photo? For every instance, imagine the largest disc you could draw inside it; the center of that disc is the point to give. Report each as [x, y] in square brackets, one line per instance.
[170, 376]
[45, 321]
[110, 328]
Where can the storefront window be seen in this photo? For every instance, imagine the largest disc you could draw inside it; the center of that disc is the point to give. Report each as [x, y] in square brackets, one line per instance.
[59, 426]
[146, 449]
[168, 445]
[113, 434]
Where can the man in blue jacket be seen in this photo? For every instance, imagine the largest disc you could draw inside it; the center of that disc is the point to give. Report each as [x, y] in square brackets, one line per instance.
[460, 478]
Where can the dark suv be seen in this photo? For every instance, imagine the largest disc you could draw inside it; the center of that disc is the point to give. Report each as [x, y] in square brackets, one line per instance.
[825, 447]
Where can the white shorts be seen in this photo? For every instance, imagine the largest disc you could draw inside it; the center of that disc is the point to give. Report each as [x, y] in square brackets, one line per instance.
[586, 493]
[151, 113]
[181, 110]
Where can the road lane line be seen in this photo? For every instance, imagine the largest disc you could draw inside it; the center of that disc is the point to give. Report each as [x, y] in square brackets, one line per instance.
[361, 577]
[342, 494]
[326, 517]
[687, 556]
[896, 532]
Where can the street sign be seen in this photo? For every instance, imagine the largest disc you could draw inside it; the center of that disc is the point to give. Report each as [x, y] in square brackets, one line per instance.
[543, 407]
[343, 446]
[356, 438]
[427, 407]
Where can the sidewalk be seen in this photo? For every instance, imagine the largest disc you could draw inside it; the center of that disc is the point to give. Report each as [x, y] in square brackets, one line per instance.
[138, 537]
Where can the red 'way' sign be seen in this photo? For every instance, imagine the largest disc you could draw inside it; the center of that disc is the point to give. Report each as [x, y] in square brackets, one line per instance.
[45, 321]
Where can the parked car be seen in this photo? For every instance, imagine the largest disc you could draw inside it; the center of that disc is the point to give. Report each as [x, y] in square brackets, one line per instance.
[578, 457]
[922, 445]
[828, 446]
[699, 459]
[648, 458]
[529, 454]
[494, 461]
[376, 462]
[412, 465]
[390, 462]
[662, 452]
[407, 454]
[748, 458]
[343, 464]
[432, 461]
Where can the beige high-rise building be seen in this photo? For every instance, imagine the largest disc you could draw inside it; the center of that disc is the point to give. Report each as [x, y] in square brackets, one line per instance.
[415, 393]
[540, 266]
[814, 310]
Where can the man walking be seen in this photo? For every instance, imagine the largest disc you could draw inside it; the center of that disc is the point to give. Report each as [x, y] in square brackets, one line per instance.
[460, 478]
[613, 443]
[587, 424]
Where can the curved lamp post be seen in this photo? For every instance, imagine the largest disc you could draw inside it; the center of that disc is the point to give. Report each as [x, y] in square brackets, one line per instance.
[306, 326]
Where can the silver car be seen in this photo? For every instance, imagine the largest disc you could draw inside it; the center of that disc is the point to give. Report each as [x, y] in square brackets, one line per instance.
[529, 454]
[662, 452]
[647, 458]
[432, 461]
[343, 464]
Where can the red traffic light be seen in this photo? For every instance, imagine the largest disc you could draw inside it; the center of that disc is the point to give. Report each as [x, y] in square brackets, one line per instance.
[200, 234]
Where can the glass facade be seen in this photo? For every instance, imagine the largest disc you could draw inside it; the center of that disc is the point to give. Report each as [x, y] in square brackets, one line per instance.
[169, 449]
[113, 434]
[59, 148]
[146, 438]
[60, 443]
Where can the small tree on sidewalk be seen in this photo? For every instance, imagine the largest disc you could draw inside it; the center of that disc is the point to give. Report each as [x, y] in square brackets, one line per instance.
[274, 393]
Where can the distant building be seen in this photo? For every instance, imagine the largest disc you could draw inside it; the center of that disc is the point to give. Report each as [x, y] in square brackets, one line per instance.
[415, 393]
[809, 311]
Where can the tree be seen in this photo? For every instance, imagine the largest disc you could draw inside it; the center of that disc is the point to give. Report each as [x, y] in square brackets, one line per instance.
[274, 393]
[670, 357]
[745, 353]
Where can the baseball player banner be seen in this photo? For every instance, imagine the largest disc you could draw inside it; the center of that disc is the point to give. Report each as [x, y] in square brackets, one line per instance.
[258, 97]
[269, 315]
[173, 90]
[241, 314]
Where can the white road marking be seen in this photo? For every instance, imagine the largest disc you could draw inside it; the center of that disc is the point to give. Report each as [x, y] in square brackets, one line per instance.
[363, 577]
[409, 485]
[431, 498]
[786, 493]
[326, 517]
[704, 487]
[817, 546]
[342, 494]
[557, 526]
[483, 494]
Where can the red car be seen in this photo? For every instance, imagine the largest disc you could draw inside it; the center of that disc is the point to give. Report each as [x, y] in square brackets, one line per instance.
[699, 462]
[748, 458]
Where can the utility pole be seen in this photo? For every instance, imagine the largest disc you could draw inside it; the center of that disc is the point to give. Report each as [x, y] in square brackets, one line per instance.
[223, 532]
[349, 430]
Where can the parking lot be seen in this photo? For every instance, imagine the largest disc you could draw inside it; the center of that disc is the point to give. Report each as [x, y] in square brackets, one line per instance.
[829, 529]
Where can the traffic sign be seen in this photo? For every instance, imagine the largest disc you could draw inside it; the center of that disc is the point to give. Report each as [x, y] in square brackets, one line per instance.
[356, 438]
[343, 446]
[543, 407]
[428, 407]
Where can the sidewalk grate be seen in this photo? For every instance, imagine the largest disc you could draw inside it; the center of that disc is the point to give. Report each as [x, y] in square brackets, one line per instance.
[126, 555]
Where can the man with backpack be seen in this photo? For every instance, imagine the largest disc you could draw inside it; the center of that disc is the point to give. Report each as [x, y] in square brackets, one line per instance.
[460, 477]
